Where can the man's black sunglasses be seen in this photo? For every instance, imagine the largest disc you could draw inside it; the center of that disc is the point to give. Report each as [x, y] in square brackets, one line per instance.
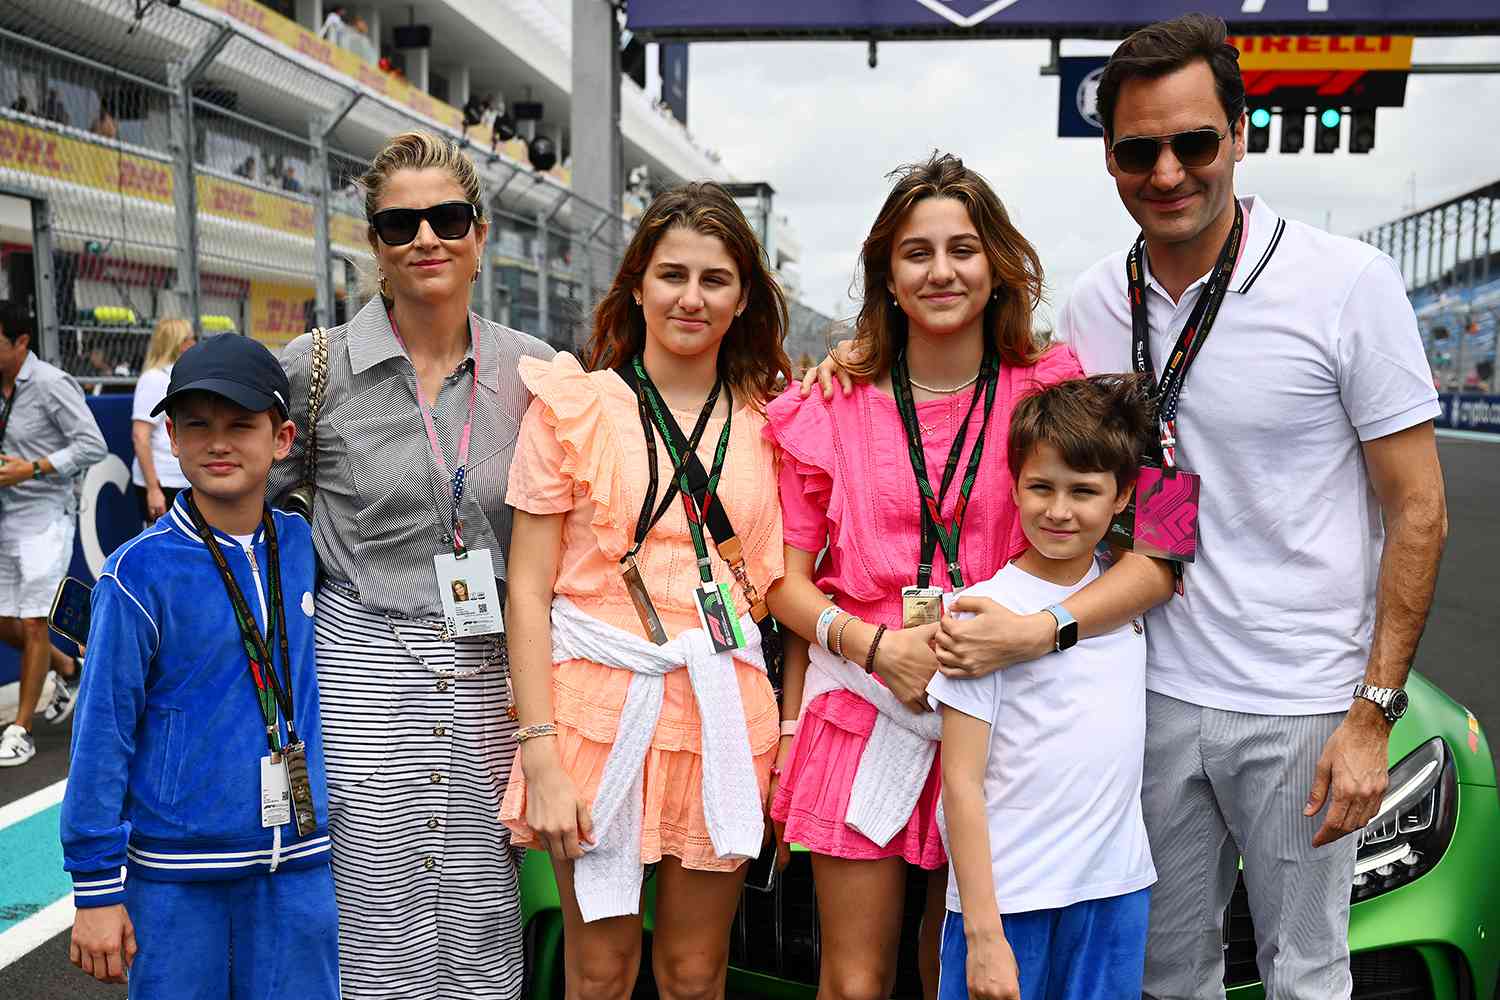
[449, 220]
[1196, 148]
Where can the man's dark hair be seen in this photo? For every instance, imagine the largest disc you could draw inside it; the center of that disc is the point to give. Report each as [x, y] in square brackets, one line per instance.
[1167, 46]
[15, 320]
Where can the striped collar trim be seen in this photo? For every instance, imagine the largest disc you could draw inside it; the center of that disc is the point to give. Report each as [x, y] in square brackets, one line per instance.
[178, 515]
[1263, 230]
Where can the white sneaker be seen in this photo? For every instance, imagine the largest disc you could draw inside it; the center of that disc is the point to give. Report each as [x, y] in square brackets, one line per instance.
[57, 708]
[16, 746]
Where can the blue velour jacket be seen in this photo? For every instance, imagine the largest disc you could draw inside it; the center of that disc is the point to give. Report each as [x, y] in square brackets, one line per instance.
[168, 733]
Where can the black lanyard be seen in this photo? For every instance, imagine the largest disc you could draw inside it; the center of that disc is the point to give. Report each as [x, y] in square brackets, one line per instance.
[934, 533]
[10, 404]
[698, 498]
[270, 690]
[1174, 374]
[647, 519]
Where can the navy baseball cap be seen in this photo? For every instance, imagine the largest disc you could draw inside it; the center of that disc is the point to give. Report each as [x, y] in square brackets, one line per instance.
[241, 370]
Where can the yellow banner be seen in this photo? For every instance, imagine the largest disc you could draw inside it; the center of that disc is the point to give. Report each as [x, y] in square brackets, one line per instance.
[277, 311]
[1367, 52]
[46, 154]
[299, 39]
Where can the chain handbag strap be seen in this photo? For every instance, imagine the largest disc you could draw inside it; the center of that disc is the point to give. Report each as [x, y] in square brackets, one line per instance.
[301, 498]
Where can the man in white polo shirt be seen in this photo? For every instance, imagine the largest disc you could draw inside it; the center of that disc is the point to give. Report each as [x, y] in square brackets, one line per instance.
[1304, 401]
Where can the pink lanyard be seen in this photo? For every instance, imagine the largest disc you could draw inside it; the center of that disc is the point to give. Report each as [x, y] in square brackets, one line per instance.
[457, 477]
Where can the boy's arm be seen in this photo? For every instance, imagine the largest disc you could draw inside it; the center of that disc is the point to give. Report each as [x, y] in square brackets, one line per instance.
[122, 641]
[990, 967]
[965, 757]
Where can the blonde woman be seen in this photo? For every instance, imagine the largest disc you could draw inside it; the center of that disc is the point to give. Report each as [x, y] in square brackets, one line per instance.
[414, 441]
[154, 472]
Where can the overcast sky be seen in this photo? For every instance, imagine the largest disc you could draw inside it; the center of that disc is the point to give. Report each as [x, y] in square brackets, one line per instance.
[823, 128]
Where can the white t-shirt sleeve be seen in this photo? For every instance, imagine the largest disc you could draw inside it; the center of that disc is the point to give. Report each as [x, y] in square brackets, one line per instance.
[973, 696]
[1385, 382]
[150, 388]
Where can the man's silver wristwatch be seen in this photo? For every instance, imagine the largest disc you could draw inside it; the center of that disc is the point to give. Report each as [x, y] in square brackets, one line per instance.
[1067, 627]
[1392, 701]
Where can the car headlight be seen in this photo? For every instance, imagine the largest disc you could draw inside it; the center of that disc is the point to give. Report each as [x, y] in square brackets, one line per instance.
[1415, 822]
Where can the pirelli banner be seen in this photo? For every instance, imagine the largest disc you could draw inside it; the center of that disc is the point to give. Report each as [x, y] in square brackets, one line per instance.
[694, 20]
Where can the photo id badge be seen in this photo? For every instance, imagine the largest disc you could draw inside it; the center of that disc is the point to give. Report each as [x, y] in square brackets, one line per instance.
[920, 606]
[1161, 520]
[470, 596]
[645, 609]
[716, 614]
[275, 793]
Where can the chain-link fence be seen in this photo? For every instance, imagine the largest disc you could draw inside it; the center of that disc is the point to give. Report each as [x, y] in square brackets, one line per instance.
[201, 163]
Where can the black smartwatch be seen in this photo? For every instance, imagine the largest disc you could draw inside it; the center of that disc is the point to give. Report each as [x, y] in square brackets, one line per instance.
[1067, 627]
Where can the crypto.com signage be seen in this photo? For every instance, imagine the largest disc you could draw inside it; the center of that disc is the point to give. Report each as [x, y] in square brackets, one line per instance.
[745, 19]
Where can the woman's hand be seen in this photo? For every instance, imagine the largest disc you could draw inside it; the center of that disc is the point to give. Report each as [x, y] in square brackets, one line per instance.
[555, 811]
[829, 370]
[993, 638]
[156, 502]
[905, 661]
[992, 970]
[783, 757]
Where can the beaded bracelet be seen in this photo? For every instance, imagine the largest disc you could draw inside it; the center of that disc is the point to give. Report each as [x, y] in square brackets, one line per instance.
[532, 732]
[824, 621]
[838, 637]
[874, 644]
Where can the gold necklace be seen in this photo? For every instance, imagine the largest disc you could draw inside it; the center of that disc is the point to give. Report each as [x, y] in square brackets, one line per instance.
[943, 392]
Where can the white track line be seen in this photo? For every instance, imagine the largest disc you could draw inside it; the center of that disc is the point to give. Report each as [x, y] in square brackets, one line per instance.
[36, 930]
[29, 805]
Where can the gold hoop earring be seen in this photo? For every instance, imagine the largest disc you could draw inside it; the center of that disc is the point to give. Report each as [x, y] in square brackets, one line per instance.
[384, 286]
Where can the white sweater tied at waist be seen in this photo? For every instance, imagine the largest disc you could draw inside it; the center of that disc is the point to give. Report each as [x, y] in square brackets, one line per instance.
[607, 879]
[896, 760]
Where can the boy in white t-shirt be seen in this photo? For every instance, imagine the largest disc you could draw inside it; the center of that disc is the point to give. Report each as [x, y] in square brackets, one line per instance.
[1042, 761]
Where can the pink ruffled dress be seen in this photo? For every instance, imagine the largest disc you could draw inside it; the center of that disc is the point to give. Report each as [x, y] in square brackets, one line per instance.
[582, 454]
[846, 482]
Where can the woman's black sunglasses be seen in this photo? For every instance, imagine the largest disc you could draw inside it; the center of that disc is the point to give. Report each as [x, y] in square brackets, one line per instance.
[1138, 154]
[449, 220]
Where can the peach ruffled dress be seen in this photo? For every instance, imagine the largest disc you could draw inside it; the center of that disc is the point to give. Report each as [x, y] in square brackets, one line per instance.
[582, 454]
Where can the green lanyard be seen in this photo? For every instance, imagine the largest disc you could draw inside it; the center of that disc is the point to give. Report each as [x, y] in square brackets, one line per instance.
[934, 533]
[654, 414]
[271, 691]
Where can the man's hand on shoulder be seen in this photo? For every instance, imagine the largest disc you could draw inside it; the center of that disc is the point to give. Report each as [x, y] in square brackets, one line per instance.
[1352, 773]
[103, 943]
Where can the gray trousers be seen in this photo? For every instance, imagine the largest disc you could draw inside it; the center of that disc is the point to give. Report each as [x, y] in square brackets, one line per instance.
[1220, 786]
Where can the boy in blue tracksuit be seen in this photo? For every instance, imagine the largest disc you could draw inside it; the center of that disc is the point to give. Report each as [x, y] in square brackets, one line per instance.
[195, 820]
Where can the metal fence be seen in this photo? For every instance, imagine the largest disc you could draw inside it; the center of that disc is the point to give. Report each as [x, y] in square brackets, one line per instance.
[191, 163]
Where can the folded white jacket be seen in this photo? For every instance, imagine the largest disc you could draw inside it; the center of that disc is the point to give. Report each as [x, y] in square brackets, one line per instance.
[607, 879]
[896, 760]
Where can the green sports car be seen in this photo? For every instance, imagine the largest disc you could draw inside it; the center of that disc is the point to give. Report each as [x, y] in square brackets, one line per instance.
[1425, 920]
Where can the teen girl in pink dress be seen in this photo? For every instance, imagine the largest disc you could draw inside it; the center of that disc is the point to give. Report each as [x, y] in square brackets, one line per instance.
[950, 286]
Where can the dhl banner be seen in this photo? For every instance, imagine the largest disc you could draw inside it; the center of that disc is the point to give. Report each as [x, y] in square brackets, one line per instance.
[299, 39]
[48, 154]
[278, 312]
[1367, 52]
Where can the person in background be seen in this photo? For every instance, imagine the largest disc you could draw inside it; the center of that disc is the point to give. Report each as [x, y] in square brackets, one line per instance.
[104, 123]
[48, 438]
[155, 475]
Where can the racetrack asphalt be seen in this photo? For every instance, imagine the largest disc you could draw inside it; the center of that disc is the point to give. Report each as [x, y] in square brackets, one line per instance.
[1460, 652]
